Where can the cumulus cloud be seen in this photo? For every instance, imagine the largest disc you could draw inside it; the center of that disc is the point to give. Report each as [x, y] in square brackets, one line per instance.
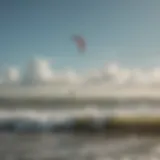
[68, 76]
[40, 71]
[37, 71]
[10, 75]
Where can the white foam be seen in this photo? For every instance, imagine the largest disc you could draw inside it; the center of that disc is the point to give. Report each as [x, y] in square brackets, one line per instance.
[62, 115]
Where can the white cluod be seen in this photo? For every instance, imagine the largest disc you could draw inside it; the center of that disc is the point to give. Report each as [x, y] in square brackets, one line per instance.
[110, 73]
[38, 71]
[72, 77]
[11, 75]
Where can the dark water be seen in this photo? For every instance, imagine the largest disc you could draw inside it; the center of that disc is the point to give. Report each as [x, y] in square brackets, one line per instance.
[77, 147]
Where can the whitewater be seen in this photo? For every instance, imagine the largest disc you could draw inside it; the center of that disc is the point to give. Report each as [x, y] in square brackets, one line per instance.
[48, 118]
[42, 144]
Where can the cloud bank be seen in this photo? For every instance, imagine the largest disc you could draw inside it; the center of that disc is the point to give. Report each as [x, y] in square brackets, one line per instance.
[39, 71]
[39, 74]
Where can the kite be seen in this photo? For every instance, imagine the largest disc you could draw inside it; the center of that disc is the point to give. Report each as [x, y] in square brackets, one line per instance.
[80, 42]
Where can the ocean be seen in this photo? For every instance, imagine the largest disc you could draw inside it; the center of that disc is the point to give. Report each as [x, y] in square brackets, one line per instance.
[47, 146]
[44, 144]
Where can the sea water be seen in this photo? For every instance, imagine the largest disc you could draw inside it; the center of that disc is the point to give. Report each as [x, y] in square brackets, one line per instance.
[71, 146]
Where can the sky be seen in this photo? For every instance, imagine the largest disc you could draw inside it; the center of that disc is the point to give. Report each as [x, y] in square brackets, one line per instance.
[126, 31]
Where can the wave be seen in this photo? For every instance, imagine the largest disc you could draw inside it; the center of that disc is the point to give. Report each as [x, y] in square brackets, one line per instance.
[67, 119]
[45, 120]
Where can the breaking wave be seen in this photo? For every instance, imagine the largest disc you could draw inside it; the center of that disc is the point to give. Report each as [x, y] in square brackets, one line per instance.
[64, 119]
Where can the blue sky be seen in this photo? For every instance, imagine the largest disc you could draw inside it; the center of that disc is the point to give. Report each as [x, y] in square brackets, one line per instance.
[127, 31]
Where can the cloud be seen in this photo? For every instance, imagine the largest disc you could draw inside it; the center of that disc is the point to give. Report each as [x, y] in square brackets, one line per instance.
[39, 72]
[10, 75]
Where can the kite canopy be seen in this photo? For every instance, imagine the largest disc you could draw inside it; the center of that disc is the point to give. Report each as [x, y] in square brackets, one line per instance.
[80, 42]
